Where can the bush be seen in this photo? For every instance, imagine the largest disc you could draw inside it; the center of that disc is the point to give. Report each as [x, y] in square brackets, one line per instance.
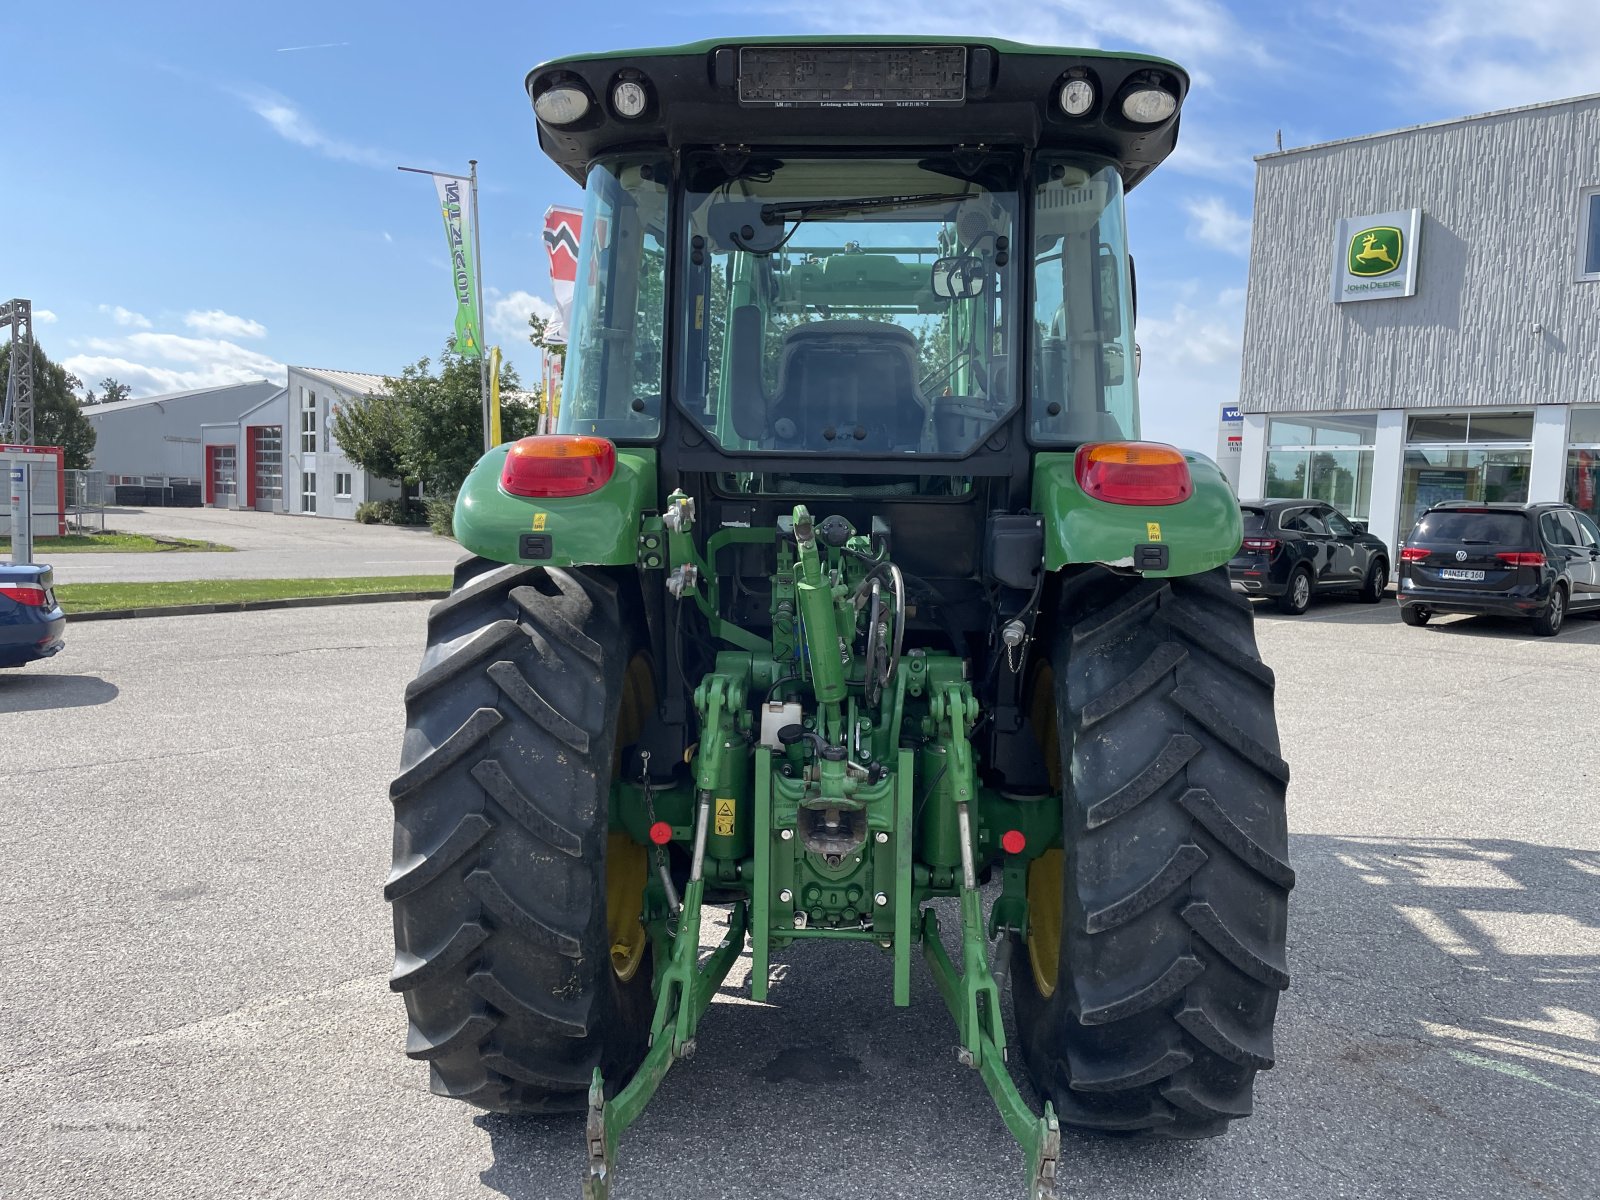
[391, 512]
[442, 516]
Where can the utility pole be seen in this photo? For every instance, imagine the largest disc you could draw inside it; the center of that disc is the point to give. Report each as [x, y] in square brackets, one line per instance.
[16, 419]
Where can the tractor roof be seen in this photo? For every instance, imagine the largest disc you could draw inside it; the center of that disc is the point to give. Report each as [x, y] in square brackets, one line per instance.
[743, 91]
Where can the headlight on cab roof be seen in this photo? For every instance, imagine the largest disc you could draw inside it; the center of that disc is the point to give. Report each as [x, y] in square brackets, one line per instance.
[562, 104]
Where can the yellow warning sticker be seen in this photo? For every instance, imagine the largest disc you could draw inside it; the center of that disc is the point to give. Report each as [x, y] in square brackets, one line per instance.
[538, 522]
[1152, 530]
[723, 823]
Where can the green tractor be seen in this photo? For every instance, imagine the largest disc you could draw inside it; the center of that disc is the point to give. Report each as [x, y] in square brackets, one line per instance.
[845, 596]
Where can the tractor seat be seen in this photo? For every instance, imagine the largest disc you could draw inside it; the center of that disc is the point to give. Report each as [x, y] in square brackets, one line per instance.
[850, 387]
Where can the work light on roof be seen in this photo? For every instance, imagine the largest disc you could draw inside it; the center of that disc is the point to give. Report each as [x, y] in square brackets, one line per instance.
[562, 104]
[629, 98]
[1077, 97]
[1149, 105]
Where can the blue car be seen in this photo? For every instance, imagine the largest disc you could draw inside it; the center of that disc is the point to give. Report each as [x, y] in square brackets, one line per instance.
[31, 622]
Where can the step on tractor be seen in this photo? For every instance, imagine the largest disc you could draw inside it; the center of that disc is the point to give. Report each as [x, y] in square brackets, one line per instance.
[846, 598]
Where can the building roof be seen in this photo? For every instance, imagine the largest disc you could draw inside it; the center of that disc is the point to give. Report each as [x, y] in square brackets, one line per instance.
[250, 394]
[1367, 137]
[356, 383]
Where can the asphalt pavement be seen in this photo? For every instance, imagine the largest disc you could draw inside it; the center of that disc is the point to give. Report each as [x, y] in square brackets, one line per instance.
[265, 546]
[193, 995]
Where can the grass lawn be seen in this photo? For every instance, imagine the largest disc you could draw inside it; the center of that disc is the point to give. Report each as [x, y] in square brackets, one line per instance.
[108, 543]
[97, 597]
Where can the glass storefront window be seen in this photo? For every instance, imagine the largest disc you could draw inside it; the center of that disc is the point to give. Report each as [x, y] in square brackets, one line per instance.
[1585, 427]
[1583, 461]
[1471, 427]
[1324, 457]
[1434, 474]
[1342, 478]
[1325, 429]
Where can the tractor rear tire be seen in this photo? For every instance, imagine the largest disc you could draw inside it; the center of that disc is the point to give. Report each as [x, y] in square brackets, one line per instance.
[1146, 989]
[505, 944]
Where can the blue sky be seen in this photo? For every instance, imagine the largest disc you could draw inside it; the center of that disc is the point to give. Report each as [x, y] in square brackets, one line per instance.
[204, 192]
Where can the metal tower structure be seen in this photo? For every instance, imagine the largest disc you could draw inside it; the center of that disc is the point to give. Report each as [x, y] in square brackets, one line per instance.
[16, 419]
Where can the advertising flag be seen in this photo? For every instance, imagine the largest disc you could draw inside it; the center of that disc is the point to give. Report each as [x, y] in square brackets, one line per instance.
[460, 233]
[562, 229]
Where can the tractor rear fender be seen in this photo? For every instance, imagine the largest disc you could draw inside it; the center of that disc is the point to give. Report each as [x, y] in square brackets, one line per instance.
[599, 529]
[1198, 534]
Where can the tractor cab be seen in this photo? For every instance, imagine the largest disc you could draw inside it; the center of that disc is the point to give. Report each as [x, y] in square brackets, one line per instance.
[870, 254]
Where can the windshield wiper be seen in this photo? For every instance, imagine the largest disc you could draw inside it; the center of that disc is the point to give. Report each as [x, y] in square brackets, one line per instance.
[776, 214]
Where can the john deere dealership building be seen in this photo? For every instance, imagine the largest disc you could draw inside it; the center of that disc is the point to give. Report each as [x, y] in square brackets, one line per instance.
[1423, 320]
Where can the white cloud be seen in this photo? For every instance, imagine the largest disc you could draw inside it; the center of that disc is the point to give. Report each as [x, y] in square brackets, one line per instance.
[506, 316]
[1213, 223]
[388, 237]
[289, 123]
[1201, 153]
[1190, 366]
[151, 363]
[44, 316]
[126, 317]
[1477, 55]
[215, 321]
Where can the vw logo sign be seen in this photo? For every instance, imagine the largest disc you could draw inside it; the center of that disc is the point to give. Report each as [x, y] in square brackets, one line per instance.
[1461, 556]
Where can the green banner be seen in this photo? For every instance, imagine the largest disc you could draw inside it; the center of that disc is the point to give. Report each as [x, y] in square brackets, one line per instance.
[463, 264]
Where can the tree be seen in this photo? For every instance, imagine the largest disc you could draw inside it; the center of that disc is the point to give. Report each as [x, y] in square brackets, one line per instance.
[110, 392]
[437, 420]
[542, 335]
[57, 420]
[372, 432]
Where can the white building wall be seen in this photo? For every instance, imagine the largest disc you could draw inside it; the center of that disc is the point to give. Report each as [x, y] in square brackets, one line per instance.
[1388, 469]
[1253, 457]
[1547, 472]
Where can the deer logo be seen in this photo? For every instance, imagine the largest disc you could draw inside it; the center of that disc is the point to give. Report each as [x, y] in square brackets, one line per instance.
[1375, 251]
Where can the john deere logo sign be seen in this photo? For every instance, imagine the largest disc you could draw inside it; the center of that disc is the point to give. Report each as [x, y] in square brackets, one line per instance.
[1376, 256]
[1376, 251]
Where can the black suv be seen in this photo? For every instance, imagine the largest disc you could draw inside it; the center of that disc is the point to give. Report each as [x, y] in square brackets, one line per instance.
[1515, 560]
[1293, 548]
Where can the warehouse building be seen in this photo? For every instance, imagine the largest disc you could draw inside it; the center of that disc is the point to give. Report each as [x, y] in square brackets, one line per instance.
[281, 455]
[256, 445]
[155, 442]
[1423, 321]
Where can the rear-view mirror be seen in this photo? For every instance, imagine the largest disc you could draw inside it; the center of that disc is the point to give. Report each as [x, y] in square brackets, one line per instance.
[958, 278]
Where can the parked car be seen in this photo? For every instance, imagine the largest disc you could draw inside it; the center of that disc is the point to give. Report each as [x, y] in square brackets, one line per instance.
[31, 622]
[1539, 561]
[1294, 549]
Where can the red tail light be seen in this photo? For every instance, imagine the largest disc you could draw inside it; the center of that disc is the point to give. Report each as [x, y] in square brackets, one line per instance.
[1414, 554]
[1521, 558]
[23, 593]
[558, 464]
[1133, 473]
[1261, 545]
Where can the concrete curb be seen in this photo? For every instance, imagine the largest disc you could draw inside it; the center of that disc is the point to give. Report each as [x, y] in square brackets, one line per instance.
[184, 610]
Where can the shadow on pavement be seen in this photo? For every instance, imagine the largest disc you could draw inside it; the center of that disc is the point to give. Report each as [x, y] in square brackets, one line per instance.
[1465, 989]
[1578, 627]
[21, 692]
[1440, 1038]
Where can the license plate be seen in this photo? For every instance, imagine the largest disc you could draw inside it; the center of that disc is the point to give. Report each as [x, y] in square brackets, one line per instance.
[1455, 573]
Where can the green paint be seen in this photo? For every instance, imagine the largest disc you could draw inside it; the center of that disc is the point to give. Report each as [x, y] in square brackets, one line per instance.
[1000, 45]
[1517, 1071]
[1201, 533]
[600, 529]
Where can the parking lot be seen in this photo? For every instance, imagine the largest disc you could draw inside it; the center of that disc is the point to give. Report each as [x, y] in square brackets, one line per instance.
[193, 999]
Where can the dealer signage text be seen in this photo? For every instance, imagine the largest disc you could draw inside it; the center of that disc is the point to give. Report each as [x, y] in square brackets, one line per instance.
[1375, 257]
